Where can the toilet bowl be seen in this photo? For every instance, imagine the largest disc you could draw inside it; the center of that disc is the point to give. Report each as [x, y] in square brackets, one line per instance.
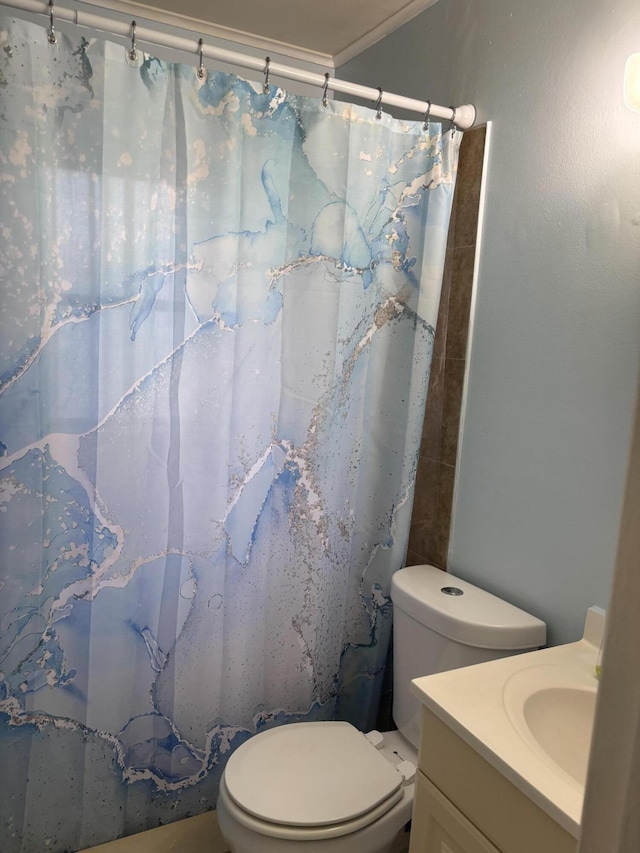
[327, 787]
[345, 790]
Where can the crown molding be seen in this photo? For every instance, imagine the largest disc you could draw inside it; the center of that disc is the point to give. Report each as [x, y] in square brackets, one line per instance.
[326, 61]
[134, 9]
[375, 35]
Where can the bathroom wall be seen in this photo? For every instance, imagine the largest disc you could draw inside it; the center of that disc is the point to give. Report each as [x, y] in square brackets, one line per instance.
[433, 497]
[556, 343]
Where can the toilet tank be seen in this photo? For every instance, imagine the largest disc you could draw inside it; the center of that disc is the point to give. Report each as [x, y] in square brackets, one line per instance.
[441, 622]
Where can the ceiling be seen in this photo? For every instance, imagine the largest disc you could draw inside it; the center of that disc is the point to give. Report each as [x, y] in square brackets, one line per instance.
[322, 31]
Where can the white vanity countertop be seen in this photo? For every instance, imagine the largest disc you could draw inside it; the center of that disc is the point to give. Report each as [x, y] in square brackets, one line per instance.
[470, 701]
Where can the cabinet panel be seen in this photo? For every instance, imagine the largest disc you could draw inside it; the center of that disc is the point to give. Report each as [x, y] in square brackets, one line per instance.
[438, 827]
[513, 822]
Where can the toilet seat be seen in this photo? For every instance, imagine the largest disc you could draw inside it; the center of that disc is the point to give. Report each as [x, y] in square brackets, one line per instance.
[309, 781]
[285, 832]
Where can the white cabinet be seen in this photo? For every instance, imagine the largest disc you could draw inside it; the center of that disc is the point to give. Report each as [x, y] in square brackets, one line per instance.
[464, 805]
[439, 827]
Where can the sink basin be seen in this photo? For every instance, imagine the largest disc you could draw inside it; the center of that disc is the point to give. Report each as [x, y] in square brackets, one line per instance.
[553, 709]
[561, 721]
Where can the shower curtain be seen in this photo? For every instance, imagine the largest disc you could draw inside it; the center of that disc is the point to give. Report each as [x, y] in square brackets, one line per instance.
[218, 310]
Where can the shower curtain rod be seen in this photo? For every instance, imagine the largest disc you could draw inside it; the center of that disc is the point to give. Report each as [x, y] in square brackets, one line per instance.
[463, 116]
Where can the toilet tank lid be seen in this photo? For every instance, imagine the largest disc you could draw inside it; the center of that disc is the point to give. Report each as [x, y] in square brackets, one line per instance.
[473, 616]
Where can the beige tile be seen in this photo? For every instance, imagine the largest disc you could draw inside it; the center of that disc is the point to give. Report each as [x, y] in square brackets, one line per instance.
[467, 194]
[425, 509]
[442, 322]
[432, 426]
[451, 406]
[467, 202]
[452, 228]
[420, 536]
[440, 541]
[414, 559]
[460, 301]
[472, 153]
[425, 499]
[198, 834]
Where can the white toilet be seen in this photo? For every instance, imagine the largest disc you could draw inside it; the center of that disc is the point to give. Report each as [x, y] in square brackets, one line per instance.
[326, 787]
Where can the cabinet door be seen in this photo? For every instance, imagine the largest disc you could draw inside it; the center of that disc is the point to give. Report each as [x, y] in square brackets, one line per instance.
[438, 826]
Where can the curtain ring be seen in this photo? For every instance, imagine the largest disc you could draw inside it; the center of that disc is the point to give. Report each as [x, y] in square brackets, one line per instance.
[325, 101]
[452, 120]
[378, 106]
[133, 53]
[265, 87]
[200, 70]
[51, 35]
[425, 126]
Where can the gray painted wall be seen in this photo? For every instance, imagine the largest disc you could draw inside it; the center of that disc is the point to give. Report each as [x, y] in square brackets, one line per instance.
[555, 353]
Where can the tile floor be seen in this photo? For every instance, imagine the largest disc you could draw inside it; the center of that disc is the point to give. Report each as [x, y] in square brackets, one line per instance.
[194, 835]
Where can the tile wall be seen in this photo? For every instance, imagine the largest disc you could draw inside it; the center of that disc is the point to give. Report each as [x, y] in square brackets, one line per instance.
[430, 522]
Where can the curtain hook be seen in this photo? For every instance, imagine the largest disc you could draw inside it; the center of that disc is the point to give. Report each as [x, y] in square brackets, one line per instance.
[425, 126]
[133, 53]
[51, 35]
[200, 71]
[378, 106]
[265, 87]
[452, 120]
[325, 100]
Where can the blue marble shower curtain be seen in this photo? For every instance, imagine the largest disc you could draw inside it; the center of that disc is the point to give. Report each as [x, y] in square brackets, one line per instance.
[218, 311]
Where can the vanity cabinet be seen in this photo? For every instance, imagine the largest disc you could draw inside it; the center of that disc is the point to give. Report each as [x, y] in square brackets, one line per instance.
[464, 805]
[439, 827]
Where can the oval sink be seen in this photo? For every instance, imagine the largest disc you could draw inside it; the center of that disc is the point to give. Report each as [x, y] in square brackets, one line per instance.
[553, 708]
[561, 720]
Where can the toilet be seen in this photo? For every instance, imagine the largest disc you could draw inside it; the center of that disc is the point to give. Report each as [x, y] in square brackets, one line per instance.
[327, 787]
